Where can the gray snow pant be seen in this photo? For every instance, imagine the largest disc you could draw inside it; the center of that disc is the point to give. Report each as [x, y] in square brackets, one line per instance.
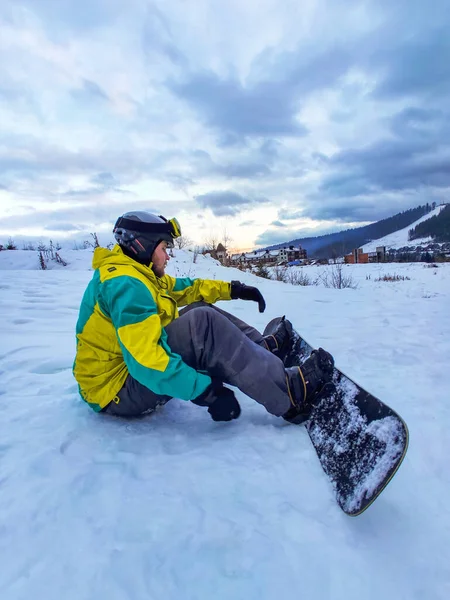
[213, 341]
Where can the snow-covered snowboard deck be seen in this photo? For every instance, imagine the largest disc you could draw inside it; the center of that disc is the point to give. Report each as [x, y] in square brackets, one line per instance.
[360, 441]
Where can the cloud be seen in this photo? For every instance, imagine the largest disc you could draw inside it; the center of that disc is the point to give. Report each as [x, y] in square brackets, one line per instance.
[232, 109]
[392, 164]
[89, 92]
[104, 179]
[158, 37]
[223, 203]
[365, 183]
[98, 215]
[67, 16]
[417, 67]
[244, 170]
[93, 191]
[102, 183]
[63, 227]
[270, 237]
[341, 115]
[288, 214]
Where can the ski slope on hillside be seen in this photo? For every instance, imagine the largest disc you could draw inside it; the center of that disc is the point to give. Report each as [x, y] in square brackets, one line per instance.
[176, 507]
[399, 238]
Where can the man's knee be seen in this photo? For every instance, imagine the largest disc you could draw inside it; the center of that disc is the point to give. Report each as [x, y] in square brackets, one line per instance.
[202, 312]
[192, 306]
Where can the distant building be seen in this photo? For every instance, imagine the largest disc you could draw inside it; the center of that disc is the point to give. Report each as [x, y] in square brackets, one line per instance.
[221, 254]
[269, 257]
[291, 253]
[360, 257]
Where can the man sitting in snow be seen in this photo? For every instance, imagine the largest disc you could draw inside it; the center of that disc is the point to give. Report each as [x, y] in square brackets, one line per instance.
[135, 351]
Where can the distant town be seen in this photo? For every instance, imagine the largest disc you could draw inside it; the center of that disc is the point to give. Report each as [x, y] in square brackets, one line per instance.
[436, 229]
[297, 256]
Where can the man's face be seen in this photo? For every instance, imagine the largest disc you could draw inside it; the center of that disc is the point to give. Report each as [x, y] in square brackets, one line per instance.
[160, 259]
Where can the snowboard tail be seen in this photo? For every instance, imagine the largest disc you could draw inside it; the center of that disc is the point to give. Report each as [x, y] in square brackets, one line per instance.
[359, 440]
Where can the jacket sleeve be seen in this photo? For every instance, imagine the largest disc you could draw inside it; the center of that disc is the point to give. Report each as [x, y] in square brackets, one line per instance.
[134, 315]
[186, 291]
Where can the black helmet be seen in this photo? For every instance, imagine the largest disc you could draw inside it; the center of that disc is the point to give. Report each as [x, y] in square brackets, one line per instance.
[139, 232]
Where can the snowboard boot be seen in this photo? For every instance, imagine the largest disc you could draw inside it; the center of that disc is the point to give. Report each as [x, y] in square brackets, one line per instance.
[307, 384]
[279, 341]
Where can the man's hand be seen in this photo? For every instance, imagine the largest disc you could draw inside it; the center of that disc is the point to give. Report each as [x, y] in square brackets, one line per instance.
[225, 407]
[220, 400]
[246, 292]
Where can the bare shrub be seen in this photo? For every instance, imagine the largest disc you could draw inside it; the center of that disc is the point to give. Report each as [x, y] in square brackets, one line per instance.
[262, 271]
[94, 243]
[11, 245]
[299, 277]
[46, 253]
[197, 251]
[394, 277]
[182, 241]
[279, 273]
[337, 279]
[60, 260]
[42, 263]
[210, 244]
[244, 267]
[29, 246]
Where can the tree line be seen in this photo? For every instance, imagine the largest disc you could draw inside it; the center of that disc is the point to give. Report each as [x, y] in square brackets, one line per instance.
[437, 227]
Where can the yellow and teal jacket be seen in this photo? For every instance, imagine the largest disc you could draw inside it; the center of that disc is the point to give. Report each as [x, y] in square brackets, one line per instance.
[120, 329]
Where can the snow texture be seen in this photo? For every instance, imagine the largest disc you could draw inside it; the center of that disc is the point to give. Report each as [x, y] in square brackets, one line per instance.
[176, 507]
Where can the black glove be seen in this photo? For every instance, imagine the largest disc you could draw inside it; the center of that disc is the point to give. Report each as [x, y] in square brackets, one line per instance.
[246, 292]
[221, 402]
[225, 407]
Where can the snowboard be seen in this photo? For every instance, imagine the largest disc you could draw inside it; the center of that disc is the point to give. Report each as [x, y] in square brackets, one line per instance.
[360, 441]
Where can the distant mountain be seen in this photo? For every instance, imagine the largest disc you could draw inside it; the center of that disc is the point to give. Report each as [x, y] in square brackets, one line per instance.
[401, 237]
[343, 242]
[437, 227]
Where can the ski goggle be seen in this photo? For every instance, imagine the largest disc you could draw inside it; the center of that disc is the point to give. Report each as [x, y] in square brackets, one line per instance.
[175, 228]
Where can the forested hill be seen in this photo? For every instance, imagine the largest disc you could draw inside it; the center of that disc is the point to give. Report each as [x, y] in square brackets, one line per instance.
[343, 242]
[437, 227]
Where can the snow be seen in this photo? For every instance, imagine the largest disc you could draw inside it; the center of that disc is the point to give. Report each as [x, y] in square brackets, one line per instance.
[386, 430]
[175, 506]
[399, 238]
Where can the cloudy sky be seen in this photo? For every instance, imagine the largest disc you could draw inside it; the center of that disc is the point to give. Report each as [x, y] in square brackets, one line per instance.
[269, 119]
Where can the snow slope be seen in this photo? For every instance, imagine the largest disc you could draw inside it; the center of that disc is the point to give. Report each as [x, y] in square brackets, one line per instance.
[176, 507]
[399, 238]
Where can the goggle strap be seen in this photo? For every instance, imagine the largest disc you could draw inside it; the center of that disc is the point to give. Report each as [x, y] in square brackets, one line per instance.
[143, 227]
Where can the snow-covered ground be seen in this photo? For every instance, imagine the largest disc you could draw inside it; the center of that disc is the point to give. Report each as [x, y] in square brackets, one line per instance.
[399, 238]
[176, 507]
